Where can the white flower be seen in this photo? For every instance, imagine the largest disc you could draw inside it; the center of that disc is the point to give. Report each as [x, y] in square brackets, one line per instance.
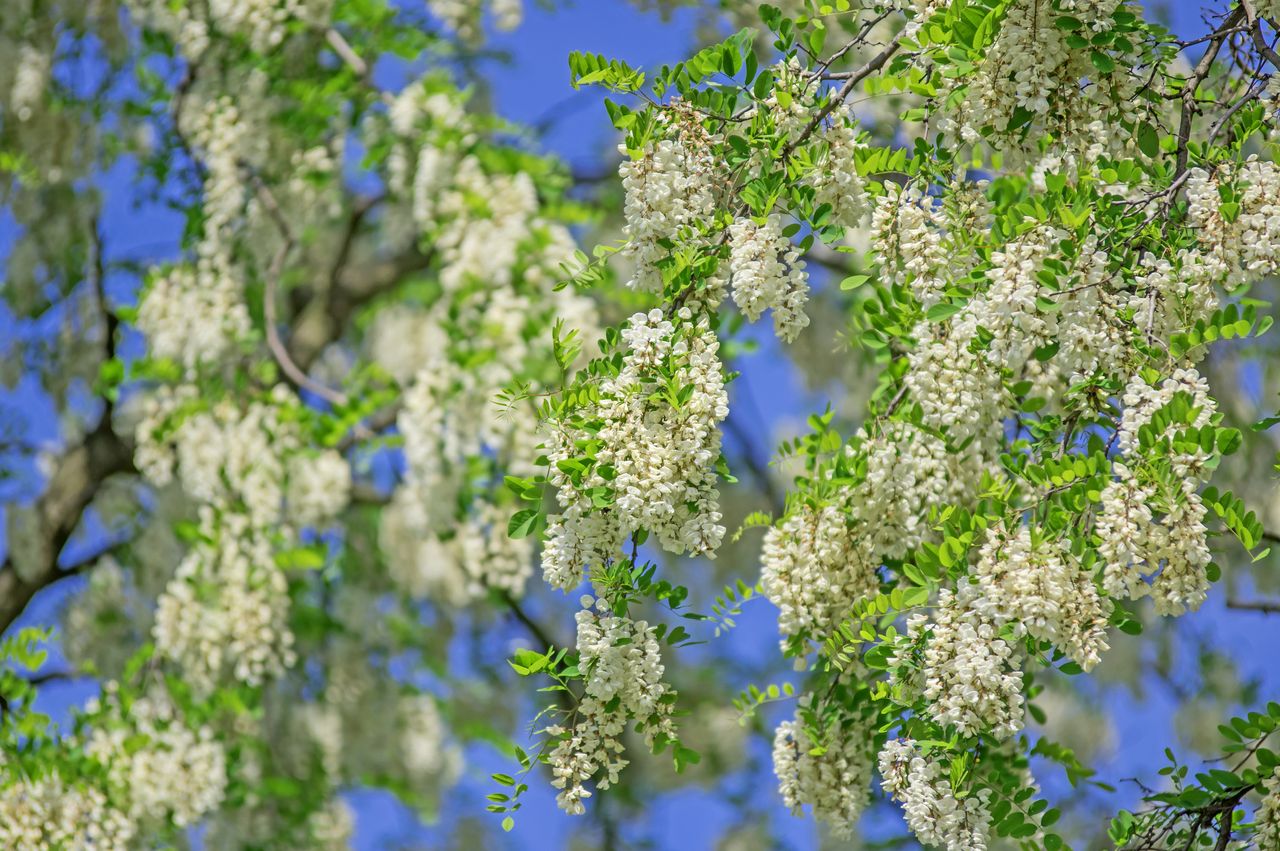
[836, 780]
[935, 813]
[766, 272]
[1044, 589]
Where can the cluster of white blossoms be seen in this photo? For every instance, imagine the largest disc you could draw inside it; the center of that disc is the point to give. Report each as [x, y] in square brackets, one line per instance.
[970, 674]
[907, 233]
[319, 487]
[500, 261]
[822, 558]
[830, 774]
[260, 22]
[409, 747]
[30, 77]
[622, 669]
[1267, 816]
[766, 272]
[1045, 589]
[247, 460]
[429, 762]
[1029, 69]
[263, 24]
[835, 179]
[936, 814]
[955, 387]
[195, 314]
[1092, 340]
[659, 444]
[46, 812]
[958, 365]
[670, 194]
[171, 773]
[814, 567]
[1166, 558]
[465, 17]
[1007, 309]
[455, 566]
[224, 616]
[1243, 247]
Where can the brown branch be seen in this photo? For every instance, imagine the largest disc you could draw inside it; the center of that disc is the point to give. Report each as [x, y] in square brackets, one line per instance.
[1266, 607]
[855, 77]
[296, 375]
[535, 629]
[1255, 31]
[1198, 75]
[71, 489]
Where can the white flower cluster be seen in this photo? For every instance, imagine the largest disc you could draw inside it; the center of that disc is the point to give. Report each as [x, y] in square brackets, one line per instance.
[766, 271]
[464, 17]
[1007, 308]
[955, 387]
[170, 772]
[1092, 339]
[1142, 401]
[835, 179]
[261, 22]
[485, 247]
[456, 565]
[670, 195]
[1043, 588]
[814, 567]
[1247, 247]
[224, 613]
[660, 452]
[248, 461]
[1029, 67]
[830, 774]
[957, 365]
[189, 30]
[936, 814]
[319, 487]
[907, 234]
[30, 77]
[1173, 552]
[823, 558]
[224, 616]
[1267, 816]
[621, 661]
[972, 677]
[194, 314]
[46, 813]
[428, 760]
[500, 263]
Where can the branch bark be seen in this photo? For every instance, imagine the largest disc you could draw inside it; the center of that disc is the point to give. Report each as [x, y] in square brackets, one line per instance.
[71, 490]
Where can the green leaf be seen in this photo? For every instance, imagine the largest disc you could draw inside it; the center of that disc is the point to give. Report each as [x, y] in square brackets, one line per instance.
[943, 310]
[1148, 140]
[522, 523]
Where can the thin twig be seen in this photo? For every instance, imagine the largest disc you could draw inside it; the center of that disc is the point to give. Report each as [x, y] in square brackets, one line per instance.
[278, 350]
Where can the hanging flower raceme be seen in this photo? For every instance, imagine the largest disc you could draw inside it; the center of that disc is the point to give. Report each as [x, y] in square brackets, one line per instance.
[655, 445]
[936, 813]
[827, 769]
[1043, 587]
[623, 669]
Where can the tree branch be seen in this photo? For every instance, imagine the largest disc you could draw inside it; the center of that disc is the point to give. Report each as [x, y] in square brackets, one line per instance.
[72, 487]
[1266, 607]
